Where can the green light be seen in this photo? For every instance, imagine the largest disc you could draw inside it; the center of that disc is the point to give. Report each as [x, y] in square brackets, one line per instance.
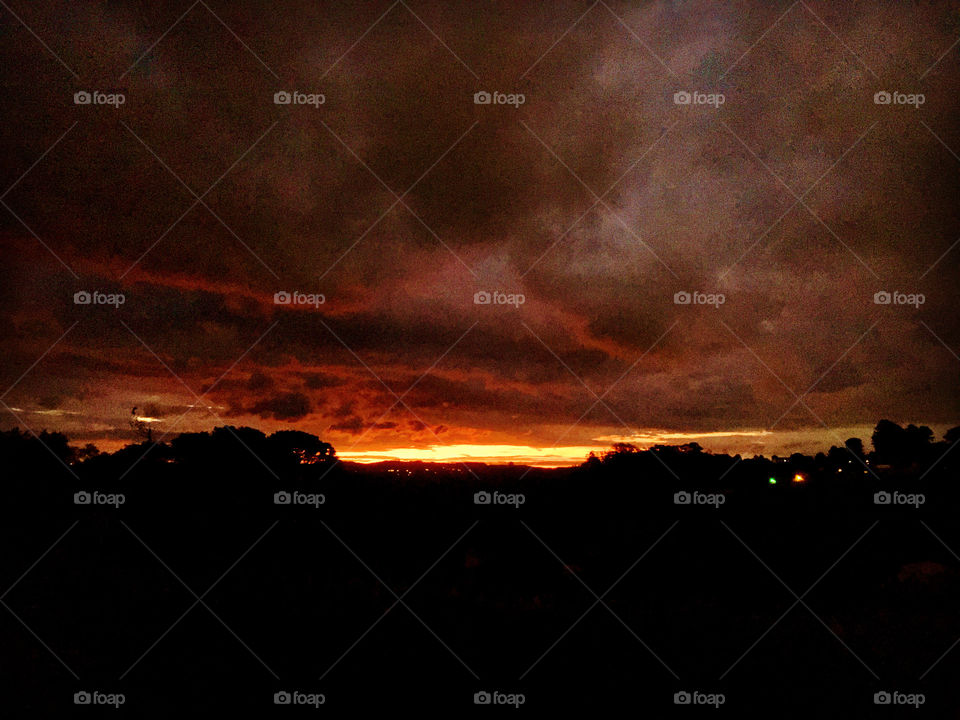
[772, 481]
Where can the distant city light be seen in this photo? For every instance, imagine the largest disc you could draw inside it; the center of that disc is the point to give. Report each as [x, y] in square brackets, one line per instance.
[798, 478]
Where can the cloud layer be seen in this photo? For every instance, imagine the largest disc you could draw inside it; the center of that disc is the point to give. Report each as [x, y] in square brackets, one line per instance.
[599, 199]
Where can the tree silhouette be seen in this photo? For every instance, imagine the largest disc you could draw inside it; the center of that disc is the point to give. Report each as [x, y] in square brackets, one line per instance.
[306, 448]
[896, 445]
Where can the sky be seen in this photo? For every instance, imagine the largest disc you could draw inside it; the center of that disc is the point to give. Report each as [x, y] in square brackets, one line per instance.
[587, 201]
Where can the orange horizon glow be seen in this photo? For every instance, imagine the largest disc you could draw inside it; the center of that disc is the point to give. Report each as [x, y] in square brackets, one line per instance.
[735, 441]
[519, 454]
[546, 457]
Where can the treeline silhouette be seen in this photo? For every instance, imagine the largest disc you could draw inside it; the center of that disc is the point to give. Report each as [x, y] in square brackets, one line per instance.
[494, 565]
[908, 453]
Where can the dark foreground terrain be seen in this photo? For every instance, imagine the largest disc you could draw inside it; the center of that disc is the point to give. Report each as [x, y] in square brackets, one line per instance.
[187, 584]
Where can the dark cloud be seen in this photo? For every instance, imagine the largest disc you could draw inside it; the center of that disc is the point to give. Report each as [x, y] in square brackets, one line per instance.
[286, 406]
[320, 380]
[352, 425]
[695, 199]
[259, 381]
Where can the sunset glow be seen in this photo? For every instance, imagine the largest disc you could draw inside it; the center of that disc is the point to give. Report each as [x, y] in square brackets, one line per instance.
[520, 454]
[501, 311]
[588, 327]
